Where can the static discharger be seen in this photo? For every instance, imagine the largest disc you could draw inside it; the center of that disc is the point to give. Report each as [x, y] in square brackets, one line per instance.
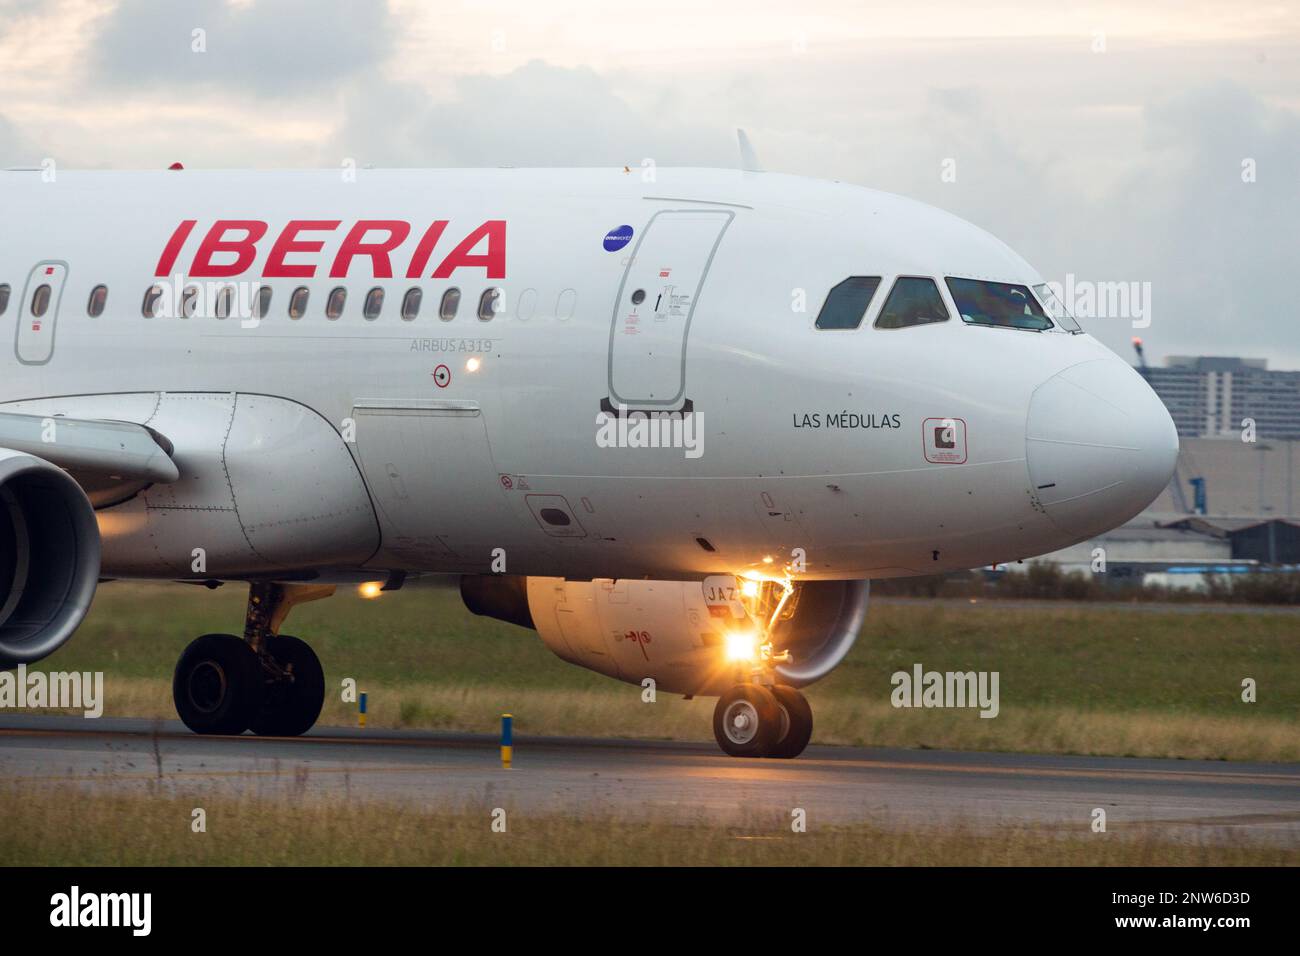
[507, 739]
[361, 709]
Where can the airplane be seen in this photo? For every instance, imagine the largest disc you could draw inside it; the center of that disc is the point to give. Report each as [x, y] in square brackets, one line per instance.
[673, 420]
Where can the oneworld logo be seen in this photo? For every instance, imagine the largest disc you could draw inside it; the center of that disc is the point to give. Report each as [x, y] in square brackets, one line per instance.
[74, 908]
[617, 238]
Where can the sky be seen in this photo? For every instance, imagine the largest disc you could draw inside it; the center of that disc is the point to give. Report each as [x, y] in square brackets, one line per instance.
[1144, 155]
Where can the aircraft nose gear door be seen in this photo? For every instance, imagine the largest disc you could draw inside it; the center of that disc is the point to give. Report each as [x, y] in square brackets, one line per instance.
[39, 309]
[655, 306]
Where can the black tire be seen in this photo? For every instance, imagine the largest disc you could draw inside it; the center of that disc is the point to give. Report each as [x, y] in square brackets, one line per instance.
[797, 723]
[291, 707]
[757, 708]
[217, 686]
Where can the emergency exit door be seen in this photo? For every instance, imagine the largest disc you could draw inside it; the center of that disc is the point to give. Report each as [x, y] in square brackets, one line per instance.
[656, 303]
[38, 313]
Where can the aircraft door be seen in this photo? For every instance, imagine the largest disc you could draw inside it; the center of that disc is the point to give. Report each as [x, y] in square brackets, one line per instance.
[656, 303]
[38, 311]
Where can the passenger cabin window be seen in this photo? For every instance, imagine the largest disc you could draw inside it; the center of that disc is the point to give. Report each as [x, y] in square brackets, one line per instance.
[335, 303]
[411, 304]
[189, 301]
[262, 304]
[489, 304]
[298, 302]
[450, 304]
[912, 301]
[846, 304]
[152, 298]
[4, 299]
[225, 301]
[40, 301]
[1002, 304]
[374, 304]
[98, 299]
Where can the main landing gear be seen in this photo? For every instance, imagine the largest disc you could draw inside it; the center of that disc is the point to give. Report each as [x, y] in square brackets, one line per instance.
[266, 682]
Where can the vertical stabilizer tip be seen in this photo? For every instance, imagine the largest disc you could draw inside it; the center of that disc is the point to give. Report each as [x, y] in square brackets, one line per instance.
[748, 158]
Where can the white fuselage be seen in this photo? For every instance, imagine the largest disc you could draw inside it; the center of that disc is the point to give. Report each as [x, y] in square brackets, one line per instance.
[331, 445]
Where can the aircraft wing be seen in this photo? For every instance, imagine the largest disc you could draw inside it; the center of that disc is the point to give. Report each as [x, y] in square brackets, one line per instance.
[109, 459]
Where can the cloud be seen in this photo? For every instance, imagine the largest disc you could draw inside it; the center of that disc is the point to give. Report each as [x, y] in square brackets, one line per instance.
[1122, 166]
[15, 150]
[1215, 249]
[1220, 249]
[537, 115]
[276, 48]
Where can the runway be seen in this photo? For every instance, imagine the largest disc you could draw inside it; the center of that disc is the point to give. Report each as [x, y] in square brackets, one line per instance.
[893, 788]
[1060, 604]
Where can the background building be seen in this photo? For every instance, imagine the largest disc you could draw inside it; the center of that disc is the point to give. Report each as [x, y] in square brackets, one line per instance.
[1220, 473]
[1209, 396]
[1241, 479]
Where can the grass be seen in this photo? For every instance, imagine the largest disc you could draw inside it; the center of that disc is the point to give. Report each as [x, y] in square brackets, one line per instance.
[64, 826]
[1074, 679]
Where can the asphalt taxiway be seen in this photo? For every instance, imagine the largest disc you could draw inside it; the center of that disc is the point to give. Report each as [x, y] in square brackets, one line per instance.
[887, 787]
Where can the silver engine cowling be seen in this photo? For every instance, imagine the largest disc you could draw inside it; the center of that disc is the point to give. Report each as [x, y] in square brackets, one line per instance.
[676, 632]
[49, 557]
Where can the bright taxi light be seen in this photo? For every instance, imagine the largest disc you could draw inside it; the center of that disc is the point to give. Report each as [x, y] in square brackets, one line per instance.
[370, 590]
[749, 588]
[741, 645]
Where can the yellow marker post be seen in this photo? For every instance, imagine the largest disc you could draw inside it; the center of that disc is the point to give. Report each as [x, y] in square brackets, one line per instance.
[507, 739]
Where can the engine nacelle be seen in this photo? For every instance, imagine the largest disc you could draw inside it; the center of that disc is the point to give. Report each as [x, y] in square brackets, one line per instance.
[677, 632]
[49, 557]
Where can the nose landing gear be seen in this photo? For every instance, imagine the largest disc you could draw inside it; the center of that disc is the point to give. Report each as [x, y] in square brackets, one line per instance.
[759, 717]
[751, 720]
[267, 682]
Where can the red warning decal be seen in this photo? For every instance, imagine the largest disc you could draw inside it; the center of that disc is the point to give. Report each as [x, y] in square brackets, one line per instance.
[944, 440]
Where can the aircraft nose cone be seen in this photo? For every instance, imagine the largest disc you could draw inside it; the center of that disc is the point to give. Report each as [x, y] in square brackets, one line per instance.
[1100, 446]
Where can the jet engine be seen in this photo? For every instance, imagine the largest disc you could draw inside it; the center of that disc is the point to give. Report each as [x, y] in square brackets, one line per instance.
[49, 557]
[691, 637]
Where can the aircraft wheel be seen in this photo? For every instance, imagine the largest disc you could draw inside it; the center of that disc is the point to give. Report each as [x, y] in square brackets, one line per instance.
[290, 707]
[796, 722]
[218, 685]
[747, 721]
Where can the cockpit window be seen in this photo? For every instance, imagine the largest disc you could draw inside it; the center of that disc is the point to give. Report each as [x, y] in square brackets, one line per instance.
[846, 304]
[997, 303]
[912, 301]
[1056, 308]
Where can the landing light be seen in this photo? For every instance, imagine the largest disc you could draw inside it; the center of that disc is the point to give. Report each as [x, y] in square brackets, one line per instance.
[741, 645]
[370, 590]
[749, 589]
[472, 365]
